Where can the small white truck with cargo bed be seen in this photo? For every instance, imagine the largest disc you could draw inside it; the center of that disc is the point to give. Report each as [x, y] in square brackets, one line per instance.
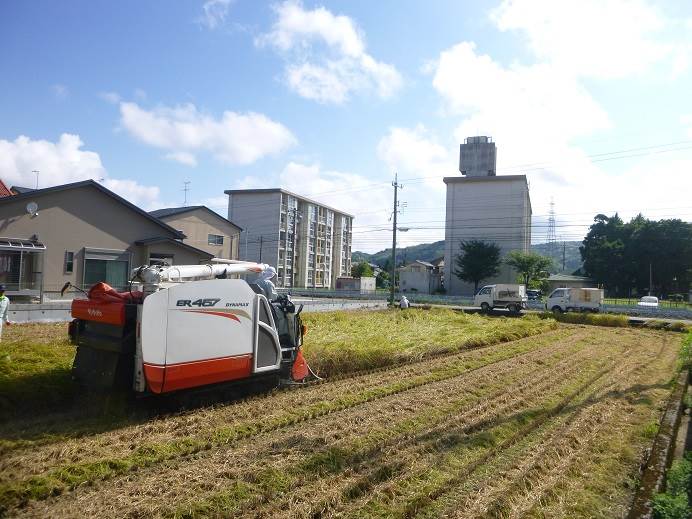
[575, 300]
[511, 297]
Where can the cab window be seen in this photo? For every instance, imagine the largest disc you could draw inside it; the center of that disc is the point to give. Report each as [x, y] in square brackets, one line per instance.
[485, 290]
[557, 293]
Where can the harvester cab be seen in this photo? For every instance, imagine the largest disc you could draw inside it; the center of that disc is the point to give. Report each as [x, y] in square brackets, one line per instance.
[187, 326]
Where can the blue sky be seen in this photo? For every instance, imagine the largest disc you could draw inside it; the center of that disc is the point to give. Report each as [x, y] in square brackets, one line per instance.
[330, 98]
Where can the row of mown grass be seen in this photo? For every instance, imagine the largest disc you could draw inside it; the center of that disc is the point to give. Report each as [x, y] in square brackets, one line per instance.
[35, 359]
[613, 321]
[342, 342]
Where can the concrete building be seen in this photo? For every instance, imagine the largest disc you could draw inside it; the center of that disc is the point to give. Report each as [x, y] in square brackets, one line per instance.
[567, 281]
[420, 276]
[362, 285]
[82, 233]
[478, 157]
[203, 229]
[309, 243]
[489, 208]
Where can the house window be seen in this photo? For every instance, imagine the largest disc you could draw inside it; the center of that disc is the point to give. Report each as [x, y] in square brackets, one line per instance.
[215, 239]
[160, 259]
[112, 272]
[69, 262]
[107, 265]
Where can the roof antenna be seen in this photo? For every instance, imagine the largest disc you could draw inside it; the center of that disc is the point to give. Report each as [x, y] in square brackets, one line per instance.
[186, 188]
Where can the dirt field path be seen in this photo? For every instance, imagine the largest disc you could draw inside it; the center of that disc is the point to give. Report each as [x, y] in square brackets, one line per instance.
[549, 426]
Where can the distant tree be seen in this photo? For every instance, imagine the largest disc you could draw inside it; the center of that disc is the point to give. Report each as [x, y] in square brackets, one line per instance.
[476, 261]
[529, 265]
[361, 270]
[382, 279]
[621, 255]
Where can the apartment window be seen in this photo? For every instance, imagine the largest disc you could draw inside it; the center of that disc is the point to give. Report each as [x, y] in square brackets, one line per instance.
[69, 262]
[215, 239]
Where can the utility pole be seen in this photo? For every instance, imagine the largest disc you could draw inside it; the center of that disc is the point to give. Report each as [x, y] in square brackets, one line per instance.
[396, 186]
[651, 277]
[186, 188]
[36, 172]
[564, 246]
[260, 254]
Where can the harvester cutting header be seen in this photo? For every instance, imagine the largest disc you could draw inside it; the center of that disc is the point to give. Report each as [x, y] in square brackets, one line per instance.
[186, 326]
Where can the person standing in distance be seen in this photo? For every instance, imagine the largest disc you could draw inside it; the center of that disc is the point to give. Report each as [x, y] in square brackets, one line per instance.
[4, 309]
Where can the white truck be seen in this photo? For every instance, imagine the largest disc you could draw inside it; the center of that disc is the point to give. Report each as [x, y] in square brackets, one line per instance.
[511, 297]
[575, 300]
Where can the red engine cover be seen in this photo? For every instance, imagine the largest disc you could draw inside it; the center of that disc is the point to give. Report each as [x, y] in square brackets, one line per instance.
[100, 311]
[105, 304]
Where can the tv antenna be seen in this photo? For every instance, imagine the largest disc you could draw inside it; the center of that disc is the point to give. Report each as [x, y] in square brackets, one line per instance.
[186, 188]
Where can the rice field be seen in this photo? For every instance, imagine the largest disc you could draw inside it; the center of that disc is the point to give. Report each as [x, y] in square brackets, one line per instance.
[458, 416]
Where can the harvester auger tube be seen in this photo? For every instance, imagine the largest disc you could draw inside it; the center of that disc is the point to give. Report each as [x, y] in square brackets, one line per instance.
[188, 326]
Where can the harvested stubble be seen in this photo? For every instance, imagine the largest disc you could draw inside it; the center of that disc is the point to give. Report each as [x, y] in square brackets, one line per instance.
[556, 423]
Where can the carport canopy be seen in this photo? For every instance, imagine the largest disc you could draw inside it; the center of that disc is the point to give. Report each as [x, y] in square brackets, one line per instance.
[18, 244]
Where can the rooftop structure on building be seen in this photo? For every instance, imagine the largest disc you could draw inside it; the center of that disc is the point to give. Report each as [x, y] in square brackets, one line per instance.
[478, 157]
[308, 242]
[485, 207]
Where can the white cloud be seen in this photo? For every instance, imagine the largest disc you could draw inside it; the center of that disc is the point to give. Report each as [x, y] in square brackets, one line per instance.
[60, 91]
[596, 38]
[214, 13]
[416, 153]
[63, 162]
[326, 58]
[110, 97]
[534, 113]
[537, 114]
[183, 157]
[184, 131]
[146, 197]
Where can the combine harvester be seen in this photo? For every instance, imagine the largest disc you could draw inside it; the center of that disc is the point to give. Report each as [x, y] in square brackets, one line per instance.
[187, 326]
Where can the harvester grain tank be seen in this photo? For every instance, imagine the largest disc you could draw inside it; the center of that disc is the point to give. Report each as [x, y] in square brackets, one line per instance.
[186, 326]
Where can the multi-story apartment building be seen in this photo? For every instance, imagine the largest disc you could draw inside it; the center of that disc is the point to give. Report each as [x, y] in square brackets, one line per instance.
[309, 243]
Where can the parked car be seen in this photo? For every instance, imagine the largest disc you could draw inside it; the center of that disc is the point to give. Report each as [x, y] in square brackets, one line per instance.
[533, 295]
[648, 301]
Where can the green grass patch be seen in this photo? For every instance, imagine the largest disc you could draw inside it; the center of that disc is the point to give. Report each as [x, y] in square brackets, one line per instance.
[35, 364]
[341, 342]
[675, 502]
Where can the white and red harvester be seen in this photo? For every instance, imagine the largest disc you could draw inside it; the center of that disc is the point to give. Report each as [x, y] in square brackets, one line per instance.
[187, 326]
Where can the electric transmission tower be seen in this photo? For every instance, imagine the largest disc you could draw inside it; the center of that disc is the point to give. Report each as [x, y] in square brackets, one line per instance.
[551, 238]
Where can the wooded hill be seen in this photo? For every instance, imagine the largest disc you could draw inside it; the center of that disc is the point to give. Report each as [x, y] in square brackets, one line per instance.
[431, 251]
